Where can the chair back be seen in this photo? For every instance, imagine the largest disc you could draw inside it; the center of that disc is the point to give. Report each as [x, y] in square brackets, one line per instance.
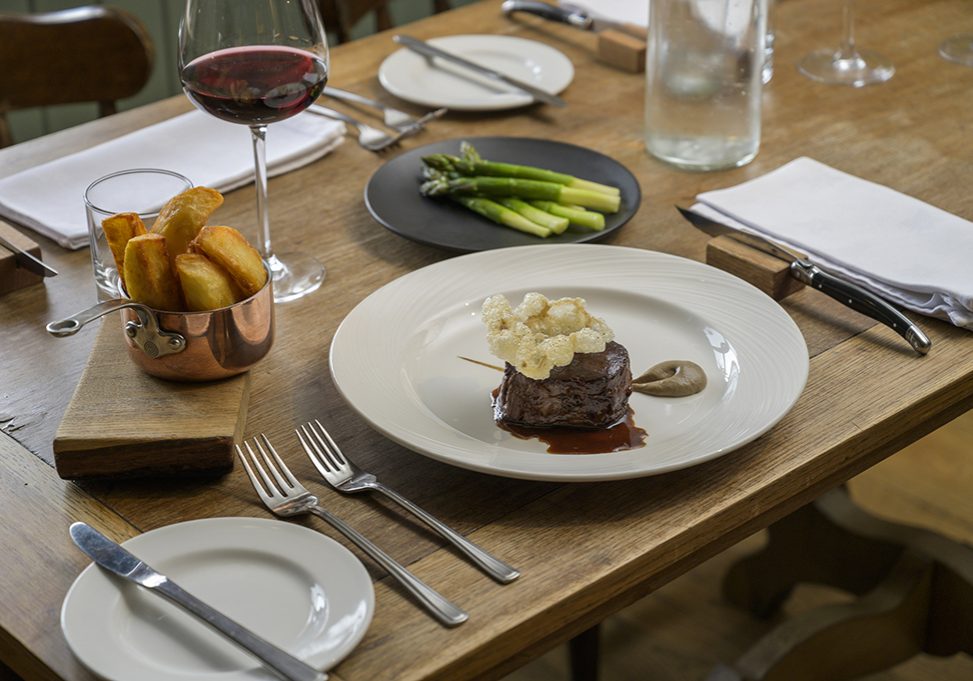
[87, 54]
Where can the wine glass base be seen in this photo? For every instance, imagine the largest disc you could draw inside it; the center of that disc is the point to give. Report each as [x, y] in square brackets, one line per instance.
[295, 275]
[862, 68]
[959, 49]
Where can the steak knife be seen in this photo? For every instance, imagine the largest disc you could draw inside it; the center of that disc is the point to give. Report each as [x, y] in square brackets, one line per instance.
[801, 268]
[427, 50]
[114, 558]
[571, 15]
[27, 261]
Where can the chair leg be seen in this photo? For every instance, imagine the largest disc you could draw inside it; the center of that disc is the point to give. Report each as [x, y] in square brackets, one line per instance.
[583, 650]
[440, 6]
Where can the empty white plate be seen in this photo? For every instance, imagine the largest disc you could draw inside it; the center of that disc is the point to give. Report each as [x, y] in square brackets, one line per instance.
[293, 586]
[396, 357]
[436, 83]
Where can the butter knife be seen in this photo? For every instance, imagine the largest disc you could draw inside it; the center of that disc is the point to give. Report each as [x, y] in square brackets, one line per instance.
[114, 558]
[572, 15]
[27, 261]
[427, 50]
[801, 268]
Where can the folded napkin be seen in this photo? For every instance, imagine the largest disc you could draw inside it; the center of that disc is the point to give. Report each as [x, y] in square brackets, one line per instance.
[49, 198]
[900, 248]
[623, 11]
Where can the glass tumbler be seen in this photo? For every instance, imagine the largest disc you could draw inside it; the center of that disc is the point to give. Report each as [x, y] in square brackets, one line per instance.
[139, 190]
[704, 70]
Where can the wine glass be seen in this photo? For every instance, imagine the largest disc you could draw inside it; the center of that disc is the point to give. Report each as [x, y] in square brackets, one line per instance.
[847, 65]
[959, 49]
[256, 62]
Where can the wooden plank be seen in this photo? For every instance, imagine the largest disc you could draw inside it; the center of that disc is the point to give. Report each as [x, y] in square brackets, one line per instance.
[12, 276]
[122, 422]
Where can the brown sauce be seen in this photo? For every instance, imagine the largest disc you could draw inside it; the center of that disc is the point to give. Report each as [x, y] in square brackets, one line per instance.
[622, 436]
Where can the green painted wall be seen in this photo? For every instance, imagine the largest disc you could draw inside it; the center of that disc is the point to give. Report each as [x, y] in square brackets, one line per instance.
[161, 17]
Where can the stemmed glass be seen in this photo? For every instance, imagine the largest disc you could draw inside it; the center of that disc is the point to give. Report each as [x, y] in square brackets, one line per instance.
[959, 49]
[256, 62]
[847, 65]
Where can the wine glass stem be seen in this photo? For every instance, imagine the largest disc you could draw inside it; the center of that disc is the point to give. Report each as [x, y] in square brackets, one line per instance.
[848, 49]
[259, 135]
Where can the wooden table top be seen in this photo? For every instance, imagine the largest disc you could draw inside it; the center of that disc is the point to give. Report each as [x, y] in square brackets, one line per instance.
[585, 550]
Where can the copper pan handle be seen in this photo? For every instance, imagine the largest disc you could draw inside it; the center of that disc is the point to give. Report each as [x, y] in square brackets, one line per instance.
[145, 332]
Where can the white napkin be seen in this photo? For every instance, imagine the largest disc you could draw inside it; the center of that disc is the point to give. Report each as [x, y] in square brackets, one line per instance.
[624, 11]
[49, 198]
[900, 248]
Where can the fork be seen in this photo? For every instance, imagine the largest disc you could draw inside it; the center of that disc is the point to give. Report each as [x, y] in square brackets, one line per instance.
[393, 118]
[286, 497]
[344, 476]
[370, 138]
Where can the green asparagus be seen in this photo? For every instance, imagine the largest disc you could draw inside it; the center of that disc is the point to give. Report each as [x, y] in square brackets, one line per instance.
[501, 215]
[581, 218]
[520, 188]
[556, 224]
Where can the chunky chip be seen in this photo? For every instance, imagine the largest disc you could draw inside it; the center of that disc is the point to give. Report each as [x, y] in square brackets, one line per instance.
[205, 285]
[184, 215]
[230, 250]
[149, 276]
[118, 230]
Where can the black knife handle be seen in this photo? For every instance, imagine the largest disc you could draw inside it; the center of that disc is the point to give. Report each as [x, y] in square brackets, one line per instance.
[549, 12]
[863, 301]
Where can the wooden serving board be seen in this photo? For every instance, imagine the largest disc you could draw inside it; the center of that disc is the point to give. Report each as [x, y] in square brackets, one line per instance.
[13, 277]
[122, 422]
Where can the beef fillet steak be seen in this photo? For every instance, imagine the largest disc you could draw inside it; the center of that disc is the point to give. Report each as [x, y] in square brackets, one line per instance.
[591, 392]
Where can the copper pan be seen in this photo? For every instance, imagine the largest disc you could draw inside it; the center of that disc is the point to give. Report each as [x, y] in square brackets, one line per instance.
[189, 346]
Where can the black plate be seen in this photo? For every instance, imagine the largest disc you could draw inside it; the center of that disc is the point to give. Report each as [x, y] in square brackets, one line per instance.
[392, 194]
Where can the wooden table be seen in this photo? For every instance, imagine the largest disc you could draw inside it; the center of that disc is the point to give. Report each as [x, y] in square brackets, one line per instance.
[585, 550]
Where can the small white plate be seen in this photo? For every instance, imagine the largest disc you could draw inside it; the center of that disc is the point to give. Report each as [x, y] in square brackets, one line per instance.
[291, 585]
[435, 83]
[395, 357]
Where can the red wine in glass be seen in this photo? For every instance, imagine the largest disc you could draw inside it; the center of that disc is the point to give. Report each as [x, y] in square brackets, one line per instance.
[255, 85]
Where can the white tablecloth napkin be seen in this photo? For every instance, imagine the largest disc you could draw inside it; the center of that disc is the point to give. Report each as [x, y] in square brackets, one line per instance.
[212, 153]
[625, 11]
[900, 248]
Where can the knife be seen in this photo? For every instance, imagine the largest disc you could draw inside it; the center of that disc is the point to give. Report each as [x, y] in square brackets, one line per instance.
[27, 261]
[801, 268]
[427, 50]
[572, 15]
[114, 558]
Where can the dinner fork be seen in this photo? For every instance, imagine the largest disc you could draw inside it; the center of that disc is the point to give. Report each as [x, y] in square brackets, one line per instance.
[393, 118]
[370, 138]
[344, 476]
[286, 497]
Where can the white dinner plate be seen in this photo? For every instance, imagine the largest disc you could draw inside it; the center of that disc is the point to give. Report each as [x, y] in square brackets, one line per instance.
[435, 83]
[395, 357]
[293, 586]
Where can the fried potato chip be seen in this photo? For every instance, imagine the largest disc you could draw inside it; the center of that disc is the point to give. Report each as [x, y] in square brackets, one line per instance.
[205, 285]
[230, 250]
[118, 230]
[184, 215]
[149, 277]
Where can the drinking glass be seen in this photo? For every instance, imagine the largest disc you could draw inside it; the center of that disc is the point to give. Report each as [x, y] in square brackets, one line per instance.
[847, 65]
[959, 49]
[256, 62]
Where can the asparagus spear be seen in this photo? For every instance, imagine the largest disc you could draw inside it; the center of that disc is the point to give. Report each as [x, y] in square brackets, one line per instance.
[520, 188]
[556, 224]
[581, 218]
[501, 215]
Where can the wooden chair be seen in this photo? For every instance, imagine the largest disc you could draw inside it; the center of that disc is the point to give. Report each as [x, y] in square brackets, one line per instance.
[340, 16]
[86, 54]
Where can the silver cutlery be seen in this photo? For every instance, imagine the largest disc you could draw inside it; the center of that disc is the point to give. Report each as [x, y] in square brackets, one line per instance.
[801, 268]
[286, 497]
[369, 138]
[345, 477]
[429, 51]
[116, 559]
[393, 118]
[572, 15]
[27, 261]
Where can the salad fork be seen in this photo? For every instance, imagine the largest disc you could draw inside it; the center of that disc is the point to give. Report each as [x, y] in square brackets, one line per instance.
[393, 118]
[344, 476]
[286, 497]
[370, 138]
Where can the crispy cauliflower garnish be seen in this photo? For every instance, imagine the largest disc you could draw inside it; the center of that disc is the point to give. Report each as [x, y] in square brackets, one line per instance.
[540, 334]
